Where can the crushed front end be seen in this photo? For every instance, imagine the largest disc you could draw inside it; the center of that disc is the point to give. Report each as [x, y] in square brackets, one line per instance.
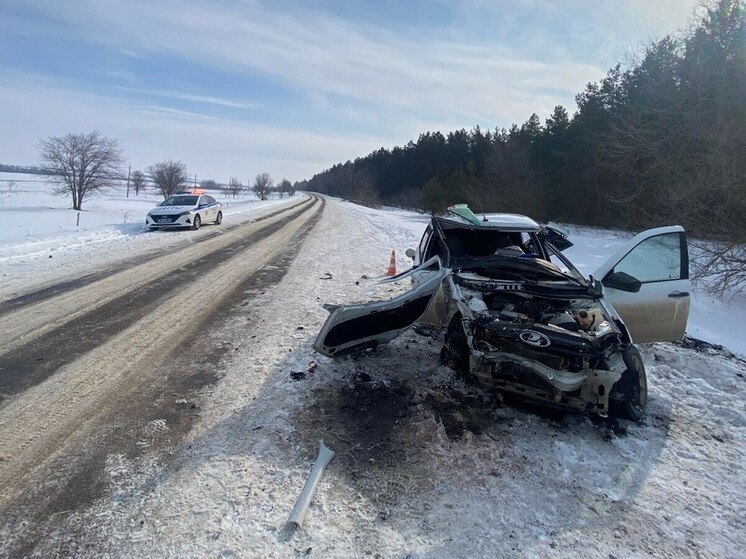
[538, 343]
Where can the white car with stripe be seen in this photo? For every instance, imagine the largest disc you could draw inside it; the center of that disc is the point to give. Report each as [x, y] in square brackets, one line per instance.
[185, 210]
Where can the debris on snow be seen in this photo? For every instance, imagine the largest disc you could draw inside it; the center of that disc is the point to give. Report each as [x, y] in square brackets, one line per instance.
[301, 506]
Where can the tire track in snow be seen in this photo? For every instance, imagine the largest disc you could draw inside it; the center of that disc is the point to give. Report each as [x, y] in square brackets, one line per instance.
[40, 357]
[36, 319]
[63, 286]
[63, 411]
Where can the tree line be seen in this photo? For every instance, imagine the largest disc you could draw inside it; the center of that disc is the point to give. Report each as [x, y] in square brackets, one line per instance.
[81, 165]
[660, 141]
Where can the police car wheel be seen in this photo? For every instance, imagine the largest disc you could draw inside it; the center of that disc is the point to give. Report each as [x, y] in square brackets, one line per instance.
[219, 219]
[197, 222]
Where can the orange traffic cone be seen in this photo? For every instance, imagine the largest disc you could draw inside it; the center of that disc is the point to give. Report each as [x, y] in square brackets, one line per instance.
[392, 265]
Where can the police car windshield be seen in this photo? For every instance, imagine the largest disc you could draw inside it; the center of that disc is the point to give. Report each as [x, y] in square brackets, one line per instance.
[180, 201]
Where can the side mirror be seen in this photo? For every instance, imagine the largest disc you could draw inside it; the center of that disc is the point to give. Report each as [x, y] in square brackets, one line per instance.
[622, 281]
[410, 253]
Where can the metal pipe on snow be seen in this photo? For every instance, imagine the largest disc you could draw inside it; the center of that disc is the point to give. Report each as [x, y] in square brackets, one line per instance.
[301, 505]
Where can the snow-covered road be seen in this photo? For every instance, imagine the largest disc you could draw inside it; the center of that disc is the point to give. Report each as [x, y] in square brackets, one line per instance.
[426, 465]
[43, 241]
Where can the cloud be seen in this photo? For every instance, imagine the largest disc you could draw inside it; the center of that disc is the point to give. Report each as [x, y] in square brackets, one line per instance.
[364, 84]
[211, 146]
[321, 53]
[205, 99]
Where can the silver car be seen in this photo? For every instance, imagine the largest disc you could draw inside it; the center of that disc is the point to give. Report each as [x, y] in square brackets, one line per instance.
[185, 210]
[521, 318]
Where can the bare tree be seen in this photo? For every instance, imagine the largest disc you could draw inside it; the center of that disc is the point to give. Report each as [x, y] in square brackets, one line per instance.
[81, 164]
[285, 187]
[719, 266]
[138, 181]
[262, 185]
[168, 176]
[234, 186]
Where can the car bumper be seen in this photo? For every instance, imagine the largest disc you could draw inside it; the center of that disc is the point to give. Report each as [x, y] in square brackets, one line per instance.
[529, 379]
[160, 223]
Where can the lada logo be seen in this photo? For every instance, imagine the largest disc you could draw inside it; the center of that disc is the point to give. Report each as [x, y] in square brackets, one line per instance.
[535, 339]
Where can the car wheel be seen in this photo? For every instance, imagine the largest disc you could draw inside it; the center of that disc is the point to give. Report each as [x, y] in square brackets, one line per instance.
[219, 219]
[455, 352]
[197, 222]
[629, 397]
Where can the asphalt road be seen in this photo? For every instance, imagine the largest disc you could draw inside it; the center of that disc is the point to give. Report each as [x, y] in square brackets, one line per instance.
[83, 363]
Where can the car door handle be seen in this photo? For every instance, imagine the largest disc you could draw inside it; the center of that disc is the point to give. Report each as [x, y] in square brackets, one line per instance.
[678, 294]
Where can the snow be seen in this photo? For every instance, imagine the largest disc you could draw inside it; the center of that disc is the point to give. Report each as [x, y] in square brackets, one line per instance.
[43, 240]
[426, 465]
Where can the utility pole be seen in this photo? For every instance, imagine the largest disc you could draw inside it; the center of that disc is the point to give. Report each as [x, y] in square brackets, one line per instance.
[129, 169]
[195, 180]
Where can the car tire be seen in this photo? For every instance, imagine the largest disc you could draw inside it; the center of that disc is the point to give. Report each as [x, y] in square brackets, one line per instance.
[455, 352]
[219, 218]
[629, 397]
[197, 222]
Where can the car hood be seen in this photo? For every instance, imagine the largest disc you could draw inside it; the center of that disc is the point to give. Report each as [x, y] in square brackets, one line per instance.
[170, 210]
[513, 268]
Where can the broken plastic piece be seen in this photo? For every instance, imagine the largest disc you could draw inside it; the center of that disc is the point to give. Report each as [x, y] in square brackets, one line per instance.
[301, 506]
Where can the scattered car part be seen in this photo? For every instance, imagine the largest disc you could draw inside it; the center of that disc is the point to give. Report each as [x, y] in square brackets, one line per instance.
[301, 505]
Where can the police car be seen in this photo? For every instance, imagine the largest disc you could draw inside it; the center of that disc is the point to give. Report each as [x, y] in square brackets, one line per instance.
[185, 209]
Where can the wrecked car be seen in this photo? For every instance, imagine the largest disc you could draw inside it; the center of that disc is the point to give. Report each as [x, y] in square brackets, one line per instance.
[520, 318]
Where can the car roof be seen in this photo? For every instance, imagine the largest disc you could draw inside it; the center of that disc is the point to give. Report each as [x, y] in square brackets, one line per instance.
[515, 222]
[461, 216]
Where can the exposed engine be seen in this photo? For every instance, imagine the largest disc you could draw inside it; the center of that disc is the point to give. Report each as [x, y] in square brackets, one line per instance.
[575, 328]
[545, 348]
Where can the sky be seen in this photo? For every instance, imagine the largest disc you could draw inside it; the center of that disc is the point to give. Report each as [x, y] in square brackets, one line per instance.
[235, 88]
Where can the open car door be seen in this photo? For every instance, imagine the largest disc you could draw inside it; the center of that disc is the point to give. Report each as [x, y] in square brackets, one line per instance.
[358, 327]
[647, 282]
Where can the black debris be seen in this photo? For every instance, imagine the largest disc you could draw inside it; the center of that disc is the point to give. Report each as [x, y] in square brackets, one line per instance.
[423, 330]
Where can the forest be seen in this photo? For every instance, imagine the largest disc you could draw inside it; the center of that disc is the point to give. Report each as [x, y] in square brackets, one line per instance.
[659, 140]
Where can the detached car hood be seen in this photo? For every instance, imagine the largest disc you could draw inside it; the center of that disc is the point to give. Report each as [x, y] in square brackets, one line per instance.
[354, 328]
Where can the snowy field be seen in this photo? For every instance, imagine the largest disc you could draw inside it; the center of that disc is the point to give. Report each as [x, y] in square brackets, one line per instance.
[426, 466]
[43, 240]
